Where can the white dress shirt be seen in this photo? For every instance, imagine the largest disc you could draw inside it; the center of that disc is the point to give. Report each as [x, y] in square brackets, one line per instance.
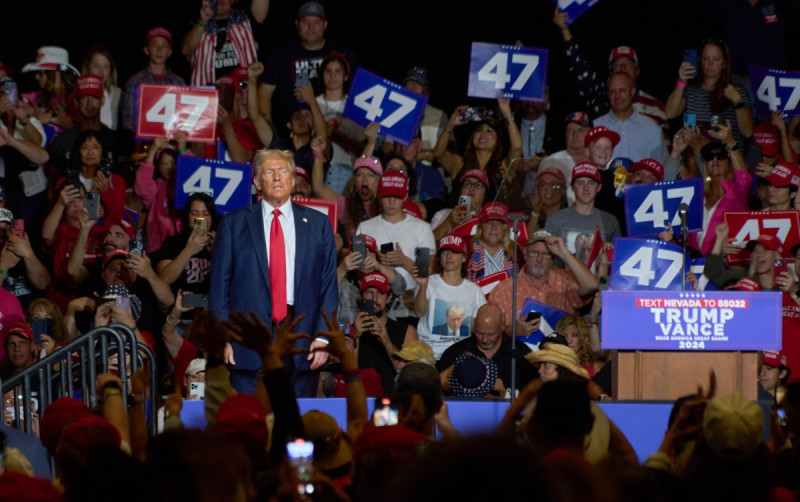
[290, 242]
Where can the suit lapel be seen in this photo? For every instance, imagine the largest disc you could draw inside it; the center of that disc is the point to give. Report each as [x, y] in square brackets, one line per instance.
[301, 230]
[255, 224]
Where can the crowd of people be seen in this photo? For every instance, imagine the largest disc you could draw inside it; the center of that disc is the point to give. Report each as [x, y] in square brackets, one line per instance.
[411, 297]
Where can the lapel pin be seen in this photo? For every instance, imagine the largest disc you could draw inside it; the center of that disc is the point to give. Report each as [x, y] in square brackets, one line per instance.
[305, 220]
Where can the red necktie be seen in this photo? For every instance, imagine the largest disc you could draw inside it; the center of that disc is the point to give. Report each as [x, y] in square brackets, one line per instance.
[277, 268]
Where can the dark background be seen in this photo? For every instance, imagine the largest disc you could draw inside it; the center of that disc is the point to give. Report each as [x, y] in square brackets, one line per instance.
[389, 36]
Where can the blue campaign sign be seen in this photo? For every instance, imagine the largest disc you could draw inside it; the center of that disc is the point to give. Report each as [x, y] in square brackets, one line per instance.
[574, 7]
[697, 268]
[775, 90]
[646, 265]
[376, 99]
[550, 317]
[519, 72]
[227, 182]
[719, 321]
[651, 207]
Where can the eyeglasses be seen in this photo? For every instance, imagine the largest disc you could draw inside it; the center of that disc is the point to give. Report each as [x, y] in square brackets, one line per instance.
[537, 254]
[554, 186]
[470, 184]
[243, 84]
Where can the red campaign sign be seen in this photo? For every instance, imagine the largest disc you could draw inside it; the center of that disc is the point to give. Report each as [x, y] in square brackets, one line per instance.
[489, 282]
[163, 110]
[747, 226]
[326, 207]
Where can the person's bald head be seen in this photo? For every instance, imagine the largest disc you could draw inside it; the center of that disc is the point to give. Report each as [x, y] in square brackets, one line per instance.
[488, 328]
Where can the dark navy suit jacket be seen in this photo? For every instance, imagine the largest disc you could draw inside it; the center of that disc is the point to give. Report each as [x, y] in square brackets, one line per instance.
[240, 274]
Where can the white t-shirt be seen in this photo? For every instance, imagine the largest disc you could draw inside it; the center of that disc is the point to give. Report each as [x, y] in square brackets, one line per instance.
[333, 110]
[410, 233]
[433, 327]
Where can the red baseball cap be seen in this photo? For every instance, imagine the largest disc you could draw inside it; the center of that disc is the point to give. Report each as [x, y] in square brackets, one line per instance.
[651, 165]
[768, 241]
[775, 358]
[623, 51]
[239, 75]
[745, 285]
[767, 136]
[90, 85]
[784, 174]
[243, 413]
[375, 280]
[411, 208]
[598, 132]
[21, 329]
[117, 253]
[477, 174]
[299, 171]
[453, 243]
[494, 211]
[585, 169]
[159, 31]
[552, 171]
[393, 184]
[126, 226]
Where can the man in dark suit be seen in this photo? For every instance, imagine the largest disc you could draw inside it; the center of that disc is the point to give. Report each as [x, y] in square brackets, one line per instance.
[454, 325]
[249, 273]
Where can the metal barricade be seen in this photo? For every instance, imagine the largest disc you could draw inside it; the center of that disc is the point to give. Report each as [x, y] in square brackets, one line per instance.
[71, 371]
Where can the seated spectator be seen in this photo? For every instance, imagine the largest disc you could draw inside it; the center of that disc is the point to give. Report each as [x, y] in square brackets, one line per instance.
[622, 59]
[492, 249]
[773, 373]
[550, 196]
[446, 302]
[727, 190]
[99, 61]
[184, 261]
[475, 376]
[415, 351]
[359, 201]
[583, 217]
[379, 336]
[576, 332]
[565, 289]
[708, 92]
[44, 309]
[347, 137]
[20, 350]
[488, 340]
[474, 185]
[55, 99]
[89, 94]
[155, 184]
[20, 269]
[484, 152]
[401, 232]
[555, 361]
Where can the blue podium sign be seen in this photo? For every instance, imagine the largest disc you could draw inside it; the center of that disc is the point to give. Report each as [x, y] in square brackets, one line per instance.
[519, 72]
[775, 90]
[651, 207]
[228, 183]
[645, 265]
[376, 99]
[715, 321]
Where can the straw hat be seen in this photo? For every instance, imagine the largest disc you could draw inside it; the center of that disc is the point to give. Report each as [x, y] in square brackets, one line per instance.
[560, 355]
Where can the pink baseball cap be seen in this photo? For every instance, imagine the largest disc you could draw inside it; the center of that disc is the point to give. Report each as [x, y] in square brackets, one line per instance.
[369, 162]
